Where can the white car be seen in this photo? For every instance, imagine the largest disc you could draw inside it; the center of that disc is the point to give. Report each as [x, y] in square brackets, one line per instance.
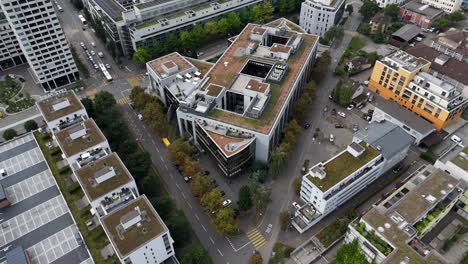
[456, 139]
[140, 116]
[332, 138]
[93, 53]
[227, 203]
[350, 107]
[96, 66]
[343, 115]
[100, 54]
[296, 205]
[93, 44]
[108, 66]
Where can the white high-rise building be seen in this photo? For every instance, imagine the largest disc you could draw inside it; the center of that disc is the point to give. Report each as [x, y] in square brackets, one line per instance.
[318, 16]
[40, 36]
[10, 51]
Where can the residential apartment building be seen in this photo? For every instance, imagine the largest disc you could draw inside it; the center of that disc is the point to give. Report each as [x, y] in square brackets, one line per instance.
[448, 6]
[10, 50]
[392, 230]
[61, 110]
[82, 143]
[454, 161]
[34, 212]
[415, 12]
[318, 16]
[138, 234]
[404, 79]
[133, 24]
[329, 184]
[384, 3]
[454, 43]
[40, 36]
[237, 110]
[107, 184]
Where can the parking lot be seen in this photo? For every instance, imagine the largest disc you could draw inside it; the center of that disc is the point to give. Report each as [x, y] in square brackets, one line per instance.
[29, 187]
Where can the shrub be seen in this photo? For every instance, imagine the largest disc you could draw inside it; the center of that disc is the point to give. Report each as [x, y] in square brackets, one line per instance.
[9, 134]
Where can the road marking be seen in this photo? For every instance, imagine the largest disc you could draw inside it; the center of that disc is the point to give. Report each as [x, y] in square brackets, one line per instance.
[257, 239]
[203, 228]
[152, 140]
[183, 195]
[189, 205]
[196, 216]
[212, 241]
[128, 69]
[156, 148]
[219, 251]
[177, 185]
[165, 166]
[123, 100]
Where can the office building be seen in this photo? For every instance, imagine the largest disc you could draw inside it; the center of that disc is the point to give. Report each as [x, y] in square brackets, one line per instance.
[454, 43]
[82, 143]
[237, 110]
[392, 230]
[37, 225]
[317, 17]
[107, 184]
[448, 6]
[138, 234]
[414, 12]
[329, 184]
[10, 50]
[454, 161]
[62, 110]
[134, 24]
[404, 79]
[43, 44]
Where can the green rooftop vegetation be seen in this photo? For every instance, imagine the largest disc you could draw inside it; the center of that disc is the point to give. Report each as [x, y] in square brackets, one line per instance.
[461, 161]
[176, 15]
[374, 239]
[147, 24]
[342, 166]
[201, 7]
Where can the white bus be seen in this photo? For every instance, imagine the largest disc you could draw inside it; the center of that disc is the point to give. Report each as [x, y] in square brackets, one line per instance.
[103, 68]
[107, 75]
[83, 20]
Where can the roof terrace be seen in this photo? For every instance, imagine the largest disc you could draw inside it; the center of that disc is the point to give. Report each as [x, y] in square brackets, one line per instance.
[112, 171]
[170, 64]
[404, 60]
[133, 225]
[59, 106]
[79, 137]
[343, 165]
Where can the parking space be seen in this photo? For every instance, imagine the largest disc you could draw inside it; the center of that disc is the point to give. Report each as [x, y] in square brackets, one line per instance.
[32, 219]
[15, 143]
[55, 246]
[29, 187]
[22, 161]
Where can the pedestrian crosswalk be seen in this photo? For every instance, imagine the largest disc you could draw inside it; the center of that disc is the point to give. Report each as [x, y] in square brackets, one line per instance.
[256, 238]
[123, 100]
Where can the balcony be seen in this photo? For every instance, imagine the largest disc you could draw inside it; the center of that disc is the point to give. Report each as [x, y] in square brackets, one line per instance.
[70, 122]
[377, 242]
[118, 199]
[91, 156]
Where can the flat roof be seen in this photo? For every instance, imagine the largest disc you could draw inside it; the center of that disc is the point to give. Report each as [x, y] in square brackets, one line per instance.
[343, 165]
[38, 214]
[87, 174]
[425, 190]
[47, 106]
[235, 58]
[92, 138]
[202, 66]
[453, 68]
[127, 241]
[169, 61]
[461, 159]
[112, 8]
[423, 9]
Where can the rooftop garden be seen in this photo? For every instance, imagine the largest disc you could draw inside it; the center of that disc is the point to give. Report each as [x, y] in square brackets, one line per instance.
[433, 214]
[336, 229]
[147, 23]
[374, 239]
[342, 166]
[461, 161]
[201, 7]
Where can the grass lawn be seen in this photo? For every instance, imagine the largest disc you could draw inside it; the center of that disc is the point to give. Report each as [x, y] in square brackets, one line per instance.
[8, 89]
[281, 253]
[96, 239]
[20, 105]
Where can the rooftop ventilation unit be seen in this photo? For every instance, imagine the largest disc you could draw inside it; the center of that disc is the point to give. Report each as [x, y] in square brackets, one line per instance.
[64, 103]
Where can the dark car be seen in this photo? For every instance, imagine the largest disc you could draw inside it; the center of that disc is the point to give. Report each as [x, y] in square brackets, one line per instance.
[397, 169]
[222, 193]
[339, 126]
[370, 111]
[206, 172]
[213, 181]
[333, 111]
[307, 126]
[361, 105]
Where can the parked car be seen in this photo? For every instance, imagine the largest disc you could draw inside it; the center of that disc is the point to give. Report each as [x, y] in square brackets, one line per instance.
[222, 193]
[456, 139]
[307, 126]
[350, 107]
[108, 66]
[370, 98]
[343, 115]
[187, 179]
[325, 109]
[333, 111]
[96, 66]
[140, 116]
[355, 127]
[93, 44]
[370, 111]
[361, 105]
[206, 173]
[100, 54]
[397, 169]
[339, 126]
[227, 203]
[83, 45]
[296, 205]
[332, 138]
[93, 53]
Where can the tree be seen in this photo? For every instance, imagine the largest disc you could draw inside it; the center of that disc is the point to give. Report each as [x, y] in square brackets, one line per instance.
[200, 185]
[195, 255]
[440, 23]
[287, 6]
[186, 41]
[100, 31]
[213, 200]
[77, 4]
[104, 101]
[279, 159]
[297, 185]
[262, 12]
[342, 93]
[141, 56]
[164, 206]
[190, 167]
[368, 9]
[224, 222]
[234, 21]
[179, 228]
[349, 9]
[261, 196]
[321, 66]
[211, 29]
[393, 11]
[284, 220]
[155, 118]
[256, 258]
[198, 36]
[9, 134]
[364, 29]
[89, 106]
[455, 17]
[223, 27]
[245, 198]
[350, 253]
[30, 125]
[379, 36]
[138, 163]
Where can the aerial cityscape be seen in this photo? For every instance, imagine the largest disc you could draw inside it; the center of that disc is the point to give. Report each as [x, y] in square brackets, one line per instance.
[233, 131]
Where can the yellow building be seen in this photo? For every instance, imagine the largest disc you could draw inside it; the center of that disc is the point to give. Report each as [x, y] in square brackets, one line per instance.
[405, 79]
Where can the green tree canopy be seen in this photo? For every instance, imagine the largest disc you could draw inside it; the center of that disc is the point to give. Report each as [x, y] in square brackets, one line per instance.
[213, 200]
[196, 255]
[142, 55]
[224, 222]
[179, 228]
[9, 134]
[393, 11]
[349, 9]
[30, 125]
[368, 9]
[200, 185]
[245, 198]
[350, 254]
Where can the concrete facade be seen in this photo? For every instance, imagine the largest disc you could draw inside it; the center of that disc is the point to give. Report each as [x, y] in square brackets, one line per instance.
[317, 17]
